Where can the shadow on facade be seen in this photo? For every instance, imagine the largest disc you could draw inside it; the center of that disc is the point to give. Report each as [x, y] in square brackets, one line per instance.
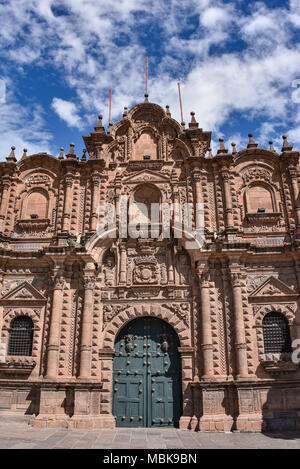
[34, 404]
[280, 415]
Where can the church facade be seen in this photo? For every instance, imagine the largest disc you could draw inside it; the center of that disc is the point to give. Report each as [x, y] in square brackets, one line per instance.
[104, 328]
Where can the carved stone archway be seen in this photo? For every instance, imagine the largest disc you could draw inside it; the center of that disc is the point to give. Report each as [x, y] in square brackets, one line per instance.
[126, 314]
[130, 312]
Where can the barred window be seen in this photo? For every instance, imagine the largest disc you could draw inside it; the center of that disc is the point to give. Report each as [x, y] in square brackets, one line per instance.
[276, 334]
[20, 336]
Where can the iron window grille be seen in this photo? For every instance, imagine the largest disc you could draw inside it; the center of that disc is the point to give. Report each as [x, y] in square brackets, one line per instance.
[276, 334]
[21, 337]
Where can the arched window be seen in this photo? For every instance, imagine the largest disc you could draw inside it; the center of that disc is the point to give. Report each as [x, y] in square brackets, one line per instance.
[36, 205]
[276, 334]
[20, 336]
[259, 199]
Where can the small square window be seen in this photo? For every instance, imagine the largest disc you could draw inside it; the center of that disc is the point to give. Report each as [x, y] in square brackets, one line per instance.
[261, 210]
[34, 215]
[147, 157]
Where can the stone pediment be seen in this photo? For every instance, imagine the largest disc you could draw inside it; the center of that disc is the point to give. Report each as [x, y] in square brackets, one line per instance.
[146, 176]
[273, 288]
[23, 293]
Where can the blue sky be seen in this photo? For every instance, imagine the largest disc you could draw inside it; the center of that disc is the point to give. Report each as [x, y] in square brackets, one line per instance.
[236, 61]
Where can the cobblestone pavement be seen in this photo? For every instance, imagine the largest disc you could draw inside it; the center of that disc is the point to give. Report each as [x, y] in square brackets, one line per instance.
[20, 435]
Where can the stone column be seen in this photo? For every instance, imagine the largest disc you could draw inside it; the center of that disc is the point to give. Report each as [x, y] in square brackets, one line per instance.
[239, 327]
[295, 189]
[123, 264]
[86, 329]
[54, 334]
[4, 200]
[228, 199]
[95, 201]
[67, 203]
[205, 327]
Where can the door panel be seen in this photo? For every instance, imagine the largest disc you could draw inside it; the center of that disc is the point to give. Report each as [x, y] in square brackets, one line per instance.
[147, 375]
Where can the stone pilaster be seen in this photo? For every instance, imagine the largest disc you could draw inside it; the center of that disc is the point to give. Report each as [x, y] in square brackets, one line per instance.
[123, 264]
[170, 265]
[187, 354]
[199, 209]
[106, 376]
[239, 327]
[86, 329]
[205, 327]
[4, 201]
[55, 321]
[95, 201]
[67, 203]
[295, 188]
[227, 199]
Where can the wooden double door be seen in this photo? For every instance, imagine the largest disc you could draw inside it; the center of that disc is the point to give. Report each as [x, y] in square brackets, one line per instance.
[147, 389]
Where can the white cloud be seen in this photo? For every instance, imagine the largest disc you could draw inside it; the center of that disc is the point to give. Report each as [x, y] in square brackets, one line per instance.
[214, 16]
[67, 111]
[97, 44]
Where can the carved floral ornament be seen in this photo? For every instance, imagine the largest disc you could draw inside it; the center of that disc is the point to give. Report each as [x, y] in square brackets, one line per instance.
[59, 282]
[237, 279]
[89, 282]
[256, 174]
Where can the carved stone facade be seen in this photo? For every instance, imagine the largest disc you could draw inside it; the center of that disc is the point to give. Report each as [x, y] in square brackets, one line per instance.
[80, 288]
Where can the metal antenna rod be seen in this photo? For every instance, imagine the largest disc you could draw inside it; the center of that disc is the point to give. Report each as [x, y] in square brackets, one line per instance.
[180, 102]
[146, 74]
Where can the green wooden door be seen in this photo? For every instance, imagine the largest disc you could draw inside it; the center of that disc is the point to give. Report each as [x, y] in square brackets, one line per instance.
[147, 375]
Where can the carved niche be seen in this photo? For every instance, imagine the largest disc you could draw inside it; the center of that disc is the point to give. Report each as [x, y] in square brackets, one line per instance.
[109, 270]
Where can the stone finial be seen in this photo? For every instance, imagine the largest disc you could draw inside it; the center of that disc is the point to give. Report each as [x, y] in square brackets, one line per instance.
[83, 158]
[222, 148]
[61, 153]
[286, 146]
[271, 146]
[193, 124]
[24, 154]
[146, 98]
[99, 127]
[168, 110]
[251, 143]
[71, 155]
[234, 151]
[210, 155]
[11, 158]
[125, 112]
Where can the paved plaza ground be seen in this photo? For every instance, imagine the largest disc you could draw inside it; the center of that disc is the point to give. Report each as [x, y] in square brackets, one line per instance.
[19, 435]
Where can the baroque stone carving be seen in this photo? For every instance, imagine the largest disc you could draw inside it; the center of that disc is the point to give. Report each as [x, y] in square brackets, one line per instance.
[182, 310]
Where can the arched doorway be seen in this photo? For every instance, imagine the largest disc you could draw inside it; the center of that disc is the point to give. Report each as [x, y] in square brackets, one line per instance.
[147, 388]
